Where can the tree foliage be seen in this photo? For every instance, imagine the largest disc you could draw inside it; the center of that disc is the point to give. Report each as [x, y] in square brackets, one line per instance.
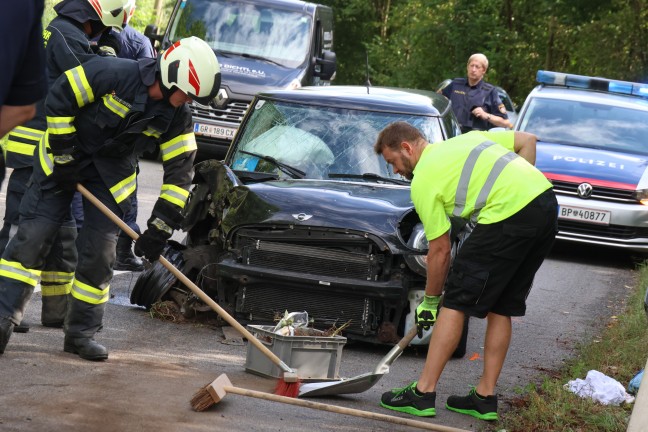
[419, 43]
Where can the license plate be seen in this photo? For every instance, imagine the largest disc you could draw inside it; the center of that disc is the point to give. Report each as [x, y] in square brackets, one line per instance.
[583, 214]
[215, 131]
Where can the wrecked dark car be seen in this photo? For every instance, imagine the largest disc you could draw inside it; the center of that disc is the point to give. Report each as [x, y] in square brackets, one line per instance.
[302, 215]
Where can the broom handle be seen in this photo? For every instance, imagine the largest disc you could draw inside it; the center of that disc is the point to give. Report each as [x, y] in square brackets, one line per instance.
[185, 280]
[340, 410]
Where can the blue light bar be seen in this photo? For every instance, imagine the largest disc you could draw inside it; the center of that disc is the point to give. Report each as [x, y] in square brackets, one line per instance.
[592, 83]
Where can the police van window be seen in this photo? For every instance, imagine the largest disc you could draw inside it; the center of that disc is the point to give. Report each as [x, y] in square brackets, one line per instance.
[586, 124]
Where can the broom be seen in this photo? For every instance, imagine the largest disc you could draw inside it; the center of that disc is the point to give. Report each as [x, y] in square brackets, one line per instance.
[288, 384]
[221, 386]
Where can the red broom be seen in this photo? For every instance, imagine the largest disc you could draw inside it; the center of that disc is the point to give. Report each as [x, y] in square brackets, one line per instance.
[289, 383]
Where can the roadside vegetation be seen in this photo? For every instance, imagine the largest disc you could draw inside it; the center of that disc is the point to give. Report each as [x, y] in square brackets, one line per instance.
[619, 352]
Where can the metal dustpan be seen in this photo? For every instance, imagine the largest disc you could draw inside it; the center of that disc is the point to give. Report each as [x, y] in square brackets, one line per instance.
[360, 383]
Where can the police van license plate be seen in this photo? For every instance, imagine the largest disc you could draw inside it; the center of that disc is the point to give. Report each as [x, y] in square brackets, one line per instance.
[214, 131]
[582, 214]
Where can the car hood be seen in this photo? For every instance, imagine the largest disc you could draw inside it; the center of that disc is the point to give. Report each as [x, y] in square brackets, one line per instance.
[598, 167]
[370, 208]
[253, 75]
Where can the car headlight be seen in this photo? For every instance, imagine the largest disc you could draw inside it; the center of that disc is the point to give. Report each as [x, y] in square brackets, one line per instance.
[641, 195]
[417, 241]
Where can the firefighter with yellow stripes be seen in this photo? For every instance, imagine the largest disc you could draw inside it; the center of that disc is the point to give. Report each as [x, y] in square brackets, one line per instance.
[100, 115]
[67, 44]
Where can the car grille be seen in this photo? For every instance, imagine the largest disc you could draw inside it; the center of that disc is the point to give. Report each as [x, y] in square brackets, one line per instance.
[311, 260]
[610, 231]
[262, 303]
[232, 113]
[598, 192]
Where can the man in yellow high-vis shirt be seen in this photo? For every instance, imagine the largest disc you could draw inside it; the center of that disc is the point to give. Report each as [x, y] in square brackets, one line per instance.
[486, 178]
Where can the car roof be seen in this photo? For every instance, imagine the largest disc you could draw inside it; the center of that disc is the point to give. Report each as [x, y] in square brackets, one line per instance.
[592, 96]
[382, 99]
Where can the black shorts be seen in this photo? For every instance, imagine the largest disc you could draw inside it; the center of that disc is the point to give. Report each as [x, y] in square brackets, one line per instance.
[494, 269]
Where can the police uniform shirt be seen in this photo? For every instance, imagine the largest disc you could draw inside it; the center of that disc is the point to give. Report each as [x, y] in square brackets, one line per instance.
[465, 98]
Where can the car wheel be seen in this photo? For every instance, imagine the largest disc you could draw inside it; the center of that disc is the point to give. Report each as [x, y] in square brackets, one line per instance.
[152, 284]
[460, 351]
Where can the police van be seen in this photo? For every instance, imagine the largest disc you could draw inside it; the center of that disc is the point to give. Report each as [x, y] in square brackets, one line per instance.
[593, 146]
[260, 45]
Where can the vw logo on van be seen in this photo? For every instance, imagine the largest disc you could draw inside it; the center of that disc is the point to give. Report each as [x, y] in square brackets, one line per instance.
[585, 190]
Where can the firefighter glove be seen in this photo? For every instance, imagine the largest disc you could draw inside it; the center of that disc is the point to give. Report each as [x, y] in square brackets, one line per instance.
[152, 242]
[426, 313]
[108, 45]
[66, 171]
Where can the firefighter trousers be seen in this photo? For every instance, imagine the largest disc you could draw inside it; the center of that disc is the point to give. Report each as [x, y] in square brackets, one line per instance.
[37, 248]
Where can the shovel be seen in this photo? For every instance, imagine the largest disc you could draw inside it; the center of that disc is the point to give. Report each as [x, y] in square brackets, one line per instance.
[360, 383]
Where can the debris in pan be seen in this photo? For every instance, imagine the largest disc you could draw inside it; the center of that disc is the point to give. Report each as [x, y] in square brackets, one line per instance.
[315, 354]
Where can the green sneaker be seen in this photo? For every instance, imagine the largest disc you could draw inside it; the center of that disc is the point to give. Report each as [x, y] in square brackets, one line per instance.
[406, 400]
[473, 405]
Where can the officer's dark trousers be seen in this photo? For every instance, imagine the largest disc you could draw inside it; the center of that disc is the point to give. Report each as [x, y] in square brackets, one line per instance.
[44, 213]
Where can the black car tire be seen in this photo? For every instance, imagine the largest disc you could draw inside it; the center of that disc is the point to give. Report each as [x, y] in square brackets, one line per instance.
[152, 284]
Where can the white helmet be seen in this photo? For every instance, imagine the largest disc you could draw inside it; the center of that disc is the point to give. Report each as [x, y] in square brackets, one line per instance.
[112, 13]
[191, 65]
[129, 9]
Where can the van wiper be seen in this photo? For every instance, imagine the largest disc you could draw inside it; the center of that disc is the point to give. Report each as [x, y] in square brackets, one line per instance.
[258, 57]
[369, 176]
[290, 170]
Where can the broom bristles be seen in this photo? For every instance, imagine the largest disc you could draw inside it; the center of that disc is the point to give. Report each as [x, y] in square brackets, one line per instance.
[202, 400]
[288, 389]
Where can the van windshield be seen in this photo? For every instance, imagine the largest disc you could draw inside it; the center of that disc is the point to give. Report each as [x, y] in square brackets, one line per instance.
[240, 28]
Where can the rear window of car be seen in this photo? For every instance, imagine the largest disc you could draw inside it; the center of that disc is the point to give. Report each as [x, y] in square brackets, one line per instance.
[587, 124]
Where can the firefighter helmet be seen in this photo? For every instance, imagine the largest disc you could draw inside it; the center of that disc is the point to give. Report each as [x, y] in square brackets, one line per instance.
[112, 13]
[130, 10]
[191, 65]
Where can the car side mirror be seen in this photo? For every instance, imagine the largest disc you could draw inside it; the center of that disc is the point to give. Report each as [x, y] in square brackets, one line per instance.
[326, 65]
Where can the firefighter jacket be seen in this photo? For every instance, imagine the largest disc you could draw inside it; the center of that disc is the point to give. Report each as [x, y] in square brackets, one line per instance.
[66, 46]
[103, 108]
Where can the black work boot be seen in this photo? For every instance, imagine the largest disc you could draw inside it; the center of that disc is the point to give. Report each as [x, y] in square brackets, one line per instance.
[86, 348]
[23, 327]
[6, 328]
[126, 259]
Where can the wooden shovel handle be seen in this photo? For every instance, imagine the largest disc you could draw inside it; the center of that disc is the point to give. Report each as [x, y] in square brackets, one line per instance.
[340, 410]
[185, 280]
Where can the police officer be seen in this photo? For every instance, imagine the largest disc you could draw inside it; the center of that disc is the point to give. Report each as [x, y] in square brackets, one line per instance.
[100, 115]
[67, 44]
[475, 176]
[476, 103]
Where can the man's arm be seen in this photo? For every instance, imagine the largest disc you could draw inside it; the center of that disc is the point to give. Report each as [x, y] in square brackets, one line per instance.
[12, 116]
[525, 146]
[438, 263]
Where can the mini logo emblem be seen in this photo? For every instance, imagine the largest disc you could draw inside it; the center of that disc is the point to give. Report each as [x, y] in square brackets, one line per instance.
[302, 216]
[585, 190]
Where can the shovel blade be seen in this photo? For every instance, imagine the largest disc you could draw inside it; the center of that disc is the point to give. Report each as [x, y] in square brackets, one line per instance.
[353, 385]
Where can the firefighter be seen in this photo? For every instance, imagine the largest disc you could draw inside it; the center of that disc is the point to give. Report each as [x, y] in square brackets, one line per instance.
[100, 115]
[67, 44]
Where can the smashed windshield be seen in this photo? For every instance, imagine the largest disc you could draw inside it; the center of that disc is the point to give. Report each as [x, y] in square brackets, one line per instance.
[322, 142]
[588, 124]
[242, 28]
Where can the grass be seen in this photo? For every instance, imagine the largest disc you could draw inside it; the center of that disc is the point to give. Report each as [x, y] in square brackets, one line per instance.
[620, 353]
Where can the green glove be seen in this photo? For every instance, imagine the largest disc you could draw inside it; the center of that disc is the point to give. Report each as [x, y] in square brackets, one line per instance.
[426, 313]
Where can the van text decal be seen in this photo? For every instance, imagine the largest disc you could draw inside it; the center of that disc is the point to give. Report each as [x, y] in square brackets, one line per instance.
[590, 162]
[242, 70]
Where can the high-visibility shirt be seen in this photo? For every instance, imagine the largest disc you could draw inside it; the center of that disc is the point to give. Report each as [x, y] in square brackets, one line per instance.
[475, 176]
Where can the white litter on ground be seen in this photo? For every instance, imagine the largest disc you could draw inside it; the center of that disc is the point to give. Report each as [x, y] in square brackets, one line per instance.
[601, 388]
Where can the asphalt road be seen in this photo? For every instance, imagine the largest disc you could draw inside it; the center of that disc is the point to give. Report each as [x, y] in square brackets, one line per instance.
[156, 366]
